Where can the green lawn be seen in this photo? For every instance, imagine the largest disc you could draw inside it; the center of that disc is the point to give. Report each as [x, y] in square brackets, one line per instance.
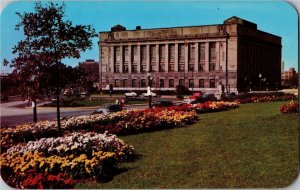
[254, 146]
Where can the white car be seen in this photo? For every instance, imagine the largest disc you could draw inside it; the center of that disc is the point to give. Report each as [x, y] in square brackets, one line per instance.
[130, 94]
[147, 95]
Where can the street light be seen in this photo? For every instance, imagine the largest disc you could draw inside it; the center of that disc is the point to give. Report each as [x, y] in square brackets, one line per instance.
[149, 88]
[259, 80]
[32, 79]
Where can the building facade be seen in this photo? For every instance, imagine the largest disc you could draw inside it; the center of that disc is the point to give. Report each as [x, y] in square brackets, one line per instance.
[289, 78]
[213, 58]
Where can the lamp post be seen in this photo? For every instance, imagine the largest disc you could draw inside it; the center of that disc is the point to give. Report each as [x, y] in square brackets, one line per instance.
[259, 80]
[149, 88]
[32, 79]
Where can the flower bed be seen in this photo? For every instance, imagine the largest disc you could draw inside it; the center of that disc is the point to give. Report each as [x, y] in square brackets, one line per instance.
[124, 122]
[215, 106]
[261, 97]
[80, 155]
[291, 107]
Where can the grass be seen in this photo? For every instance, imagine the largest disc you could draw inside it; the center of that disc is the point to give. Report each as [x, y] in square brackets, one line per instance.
[254, 146]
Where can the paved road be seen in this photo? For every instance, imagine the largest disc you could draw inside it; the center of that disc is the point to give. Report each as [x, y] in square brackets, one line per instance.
[13, 113]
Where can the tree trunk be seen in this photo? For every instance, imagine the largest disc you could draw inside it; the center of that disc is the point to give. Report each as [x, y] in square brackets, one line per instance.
[57, 101]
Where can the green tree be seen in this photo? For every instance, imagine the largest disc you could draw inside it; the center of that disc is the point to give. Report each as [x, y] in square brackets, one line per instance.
[49, 38]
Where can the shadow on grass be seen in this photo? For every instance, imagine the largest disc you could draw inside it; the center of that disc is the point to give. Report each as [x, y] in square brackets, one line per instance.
[110, 173]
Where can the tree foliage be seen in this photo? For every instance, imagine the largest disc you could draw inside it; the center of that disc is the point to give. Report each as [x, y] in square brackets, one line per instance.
[49, 38]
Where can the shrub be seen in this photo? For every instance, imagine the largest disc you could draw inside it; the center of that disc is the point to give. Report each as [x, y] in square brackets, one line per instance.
[291, 107]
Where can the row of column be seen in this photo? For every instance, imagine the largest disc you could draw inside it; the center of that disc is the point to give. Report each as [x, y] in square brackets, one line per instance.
[166, 62]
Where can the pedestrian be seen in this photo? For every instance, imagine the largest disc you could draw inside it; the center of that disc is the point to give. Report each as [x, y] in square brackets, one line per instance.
[117, 101]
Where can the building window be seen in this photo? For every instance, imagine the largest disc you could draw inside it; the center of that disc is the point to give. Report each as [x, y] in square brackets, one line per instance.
[181, 82]
[134, 68]
[116, 82]
[212, 83]
[201, 83]
[191, 53]
[181, 53]
[143, 83]
[202, 51]
[135, 54]
[211, 66]
[143, 68]
[134, 83]
[152, 54]
[181, 67]
[212, 50]
[117, 68]
[125, 69]
[143, 54]
[161, 83]
[152, 68]
[201, 67]
[117, 54]
[191, 67]
[162, 67]
[191, 83]
[125, 82]
[171, 83]
[126, 57]
[171, 67]
[172, 53]
[162, 52]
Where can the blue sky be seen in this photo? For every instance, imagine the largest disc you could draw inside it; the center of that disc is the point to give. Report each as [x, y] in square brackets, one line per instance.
[276, 17]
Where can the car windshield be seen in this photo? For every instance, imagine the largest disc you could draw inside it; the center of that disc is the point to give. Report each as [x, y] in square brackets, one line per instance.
[106, 105]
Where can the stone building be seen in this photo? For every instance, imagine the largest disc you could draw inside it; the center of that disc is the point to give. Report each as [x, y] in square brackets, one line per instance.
[212, 58]
[289, 78]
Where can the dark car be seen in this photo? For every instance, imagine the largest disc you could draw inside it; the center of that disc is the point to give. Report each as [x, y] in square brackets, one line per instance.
[228, 96]
[208, 97]
[162, 103]
[108, 108]
[205, 98]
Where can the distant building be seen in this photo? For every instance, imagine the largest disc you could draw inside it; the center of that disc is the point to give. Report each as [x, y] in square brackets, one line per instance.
[91, 67]
[289, 74]
[289, 78]
[234, 56]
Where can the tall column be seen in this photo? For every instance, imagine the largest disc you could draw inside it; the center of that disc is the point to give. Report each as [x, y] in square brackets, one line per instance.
[186, 57]
[112, 59]
[121, 59]
[206, 67]
[196, 57]
[148, 57]
[129, 58]
[138, 58]
[176, 57]
[217, 56]
[166, 57]
[157, 58]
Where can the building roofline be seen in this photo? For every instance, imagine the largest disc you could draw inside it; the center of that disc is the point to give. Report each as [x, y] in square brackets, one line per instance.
[165, 28]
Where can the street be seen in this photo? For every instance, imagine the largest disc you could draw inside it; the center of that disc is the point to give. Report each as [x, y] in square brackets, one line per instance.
[13, 113]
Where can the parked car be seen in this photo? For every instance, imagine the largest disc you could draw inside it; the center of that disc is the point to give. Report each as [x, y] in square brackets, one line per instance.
[108, 108]
[208, 97]
[130, 94]
[228, 96]
[147, 95]
[162, 103]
